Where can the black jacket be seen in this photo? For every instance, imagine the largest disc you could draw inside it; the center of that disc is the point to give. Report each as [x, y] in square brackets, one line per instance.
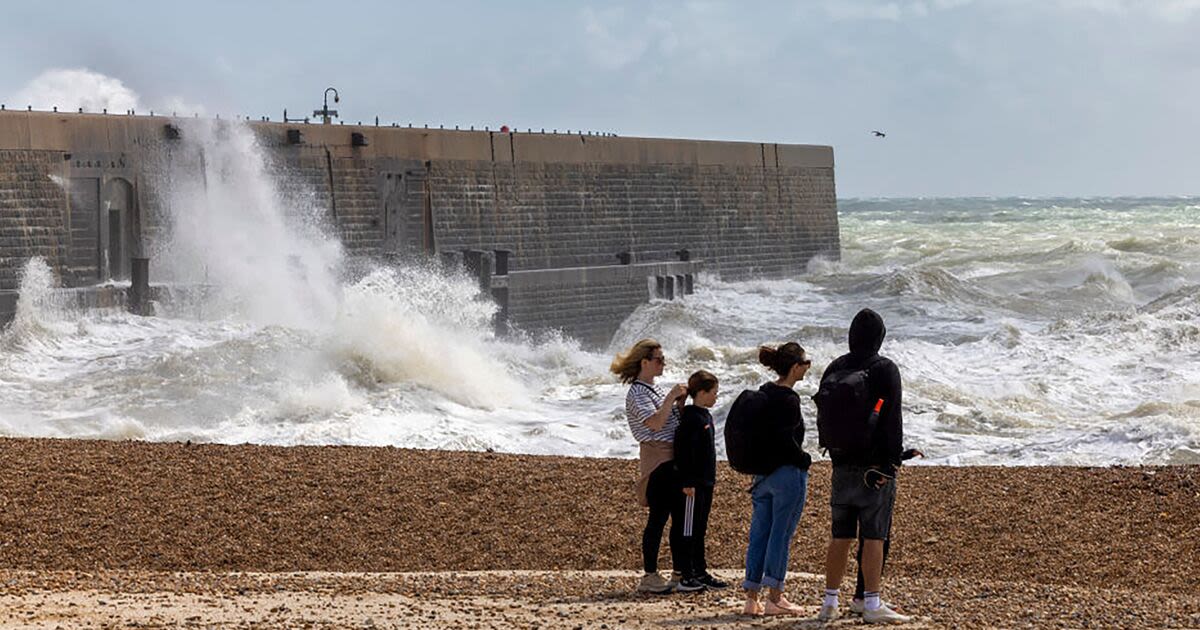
[866, 337]
[785, 426]
[695, 448]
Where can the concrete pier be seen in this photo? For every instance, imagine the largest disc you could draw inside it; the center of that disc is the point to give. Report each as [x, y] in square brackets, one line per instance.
[81, 190]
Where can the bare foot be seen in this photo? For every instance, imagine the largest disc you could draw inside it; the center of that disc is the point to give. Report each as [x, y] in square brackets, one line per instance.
[754, 608]
[781, 607]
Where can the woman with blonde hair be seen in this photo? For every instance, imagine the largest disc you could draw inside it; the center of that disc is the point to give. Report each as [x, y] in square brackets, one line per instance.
[653, 418]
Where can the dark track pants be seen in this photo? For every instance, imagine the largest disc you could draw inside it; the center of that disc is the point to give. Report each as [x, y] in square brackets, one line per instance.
[695, 524]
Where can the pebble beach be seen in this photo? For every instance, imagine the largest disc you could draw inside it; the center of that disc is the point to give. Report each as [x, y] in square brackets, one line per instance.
[134, 534]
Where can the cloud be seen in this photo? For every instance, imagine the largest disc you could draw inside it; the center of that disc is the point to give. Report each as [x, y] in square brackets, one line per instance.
[896, 10]
[893, 10]
[856, 10]
[1178, 10]
[176, 105]
[69, 89]
[614, 42]
[1168, 10]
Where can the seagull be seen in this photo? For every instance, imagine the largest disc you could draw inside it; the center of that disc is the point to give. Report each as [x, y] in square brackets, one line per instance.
[879, 134]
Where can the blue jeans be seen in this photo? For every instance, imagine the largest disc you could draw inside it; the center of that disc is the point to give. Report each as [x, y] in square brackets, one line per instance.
[778, 500]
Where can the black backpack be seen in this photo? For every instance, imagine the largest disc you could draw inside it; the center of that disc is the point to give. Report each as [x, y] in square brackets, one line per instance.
[745, 442]
[846, 413]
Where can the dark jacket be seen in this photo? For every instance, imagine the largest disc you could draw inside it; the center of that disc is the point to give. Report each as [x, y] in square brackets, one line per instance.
[786, 428]
[695, 448]
[866, 337]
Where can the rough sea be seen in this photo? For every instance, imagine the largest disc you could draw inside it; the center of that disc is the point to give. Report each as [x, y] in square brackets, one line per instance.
[1027, 331]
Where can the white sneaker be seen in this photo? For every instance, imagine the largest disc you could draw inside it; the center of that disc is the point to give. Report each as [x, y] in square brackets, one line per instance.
[857, 606]
[828, 613]
[654, 583]
[883, 614]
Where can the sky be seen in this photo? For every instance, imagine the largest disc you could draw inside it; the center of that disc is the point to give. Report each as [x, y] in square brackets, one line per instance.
[977, 97]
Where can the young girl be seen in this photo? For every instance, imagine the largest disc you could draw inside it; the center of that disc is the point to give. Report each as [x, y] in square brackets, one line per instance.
[696, 468]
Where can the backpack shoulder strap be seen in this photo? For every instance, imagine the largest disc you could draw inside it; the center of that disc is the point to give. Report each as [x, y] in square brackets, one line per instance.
[873, 419]
[658, 397]
[870, 365]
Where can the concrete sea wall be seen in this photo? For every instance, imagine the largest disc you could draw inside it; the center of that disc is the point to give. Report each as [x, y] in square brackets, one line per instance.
[590, 226]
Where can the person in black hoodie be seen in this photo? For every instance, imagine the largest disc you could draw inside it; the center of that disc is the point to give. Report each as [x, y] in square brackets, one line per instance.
[777, 497]
[863, 487]
[696, 471]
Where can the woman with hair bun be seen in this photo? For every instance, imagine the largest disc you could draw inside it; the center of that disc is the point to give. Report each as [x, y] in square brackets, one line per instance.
[778, 497]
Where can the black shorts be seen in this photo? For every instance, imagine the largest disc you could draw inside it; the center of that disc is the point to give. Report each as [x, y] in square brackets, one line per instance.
[859, 510]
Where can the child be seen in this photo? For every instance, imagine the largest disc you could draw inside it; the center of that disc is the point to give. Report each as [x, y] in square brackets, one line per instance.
[696, 467]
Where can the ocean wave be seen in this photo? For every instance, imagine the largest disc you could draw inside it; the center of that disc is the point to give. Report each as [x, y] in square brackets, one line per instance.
[824, 266]
[1158, 245]
[924, 282]
[1183, 409]
[1182, 303]
[40, 305]
[397, 331]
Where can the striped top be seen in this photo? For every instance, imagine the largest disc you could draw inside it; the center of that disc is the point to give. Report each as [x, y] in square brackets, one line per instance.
[642, 401]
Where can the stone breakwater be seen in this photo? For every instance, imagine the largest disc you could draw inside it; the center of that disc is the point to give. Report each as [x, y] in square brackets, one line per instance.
[587, 226]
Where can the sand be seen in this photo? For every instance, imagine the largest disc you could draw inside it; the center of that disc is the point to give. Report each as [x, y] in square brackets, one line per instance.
[224, 536]
[531, 599]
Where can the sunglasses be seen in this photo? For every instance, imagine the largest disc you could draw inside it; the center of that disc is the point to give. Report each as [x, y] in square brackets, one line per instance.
[659, 360]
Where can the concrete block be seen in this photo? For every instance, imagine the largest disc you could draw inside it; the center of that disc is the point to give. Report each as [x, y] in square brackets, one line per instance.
[14, 130]
[805, 156]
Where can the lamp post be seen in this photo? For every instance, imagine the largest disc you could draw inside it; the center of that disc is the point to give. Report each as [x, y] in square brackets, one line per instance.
[325, 113]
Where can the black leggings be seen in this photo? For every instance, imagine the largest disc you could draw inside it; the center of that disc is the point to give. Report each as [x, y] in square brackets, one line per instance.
[666, 502]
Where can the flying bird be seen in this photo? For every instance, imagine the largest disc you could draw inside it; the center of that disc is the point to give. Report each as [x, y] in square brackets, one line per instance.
[879, 134]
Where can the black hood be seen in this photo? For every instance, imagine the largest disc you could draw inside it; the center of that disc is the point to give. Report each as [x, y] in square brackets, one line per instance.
[866, 333]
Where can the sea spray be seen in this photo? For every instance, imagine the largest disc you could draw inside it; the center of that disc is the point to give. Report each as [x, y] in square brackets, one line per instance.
[40, 305]
[261, 241]
[413, 325]
[70, 88]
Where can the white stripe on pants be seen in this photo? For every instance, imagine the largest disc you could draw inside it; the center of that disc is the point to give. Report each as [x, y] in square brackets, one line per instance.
[689, 513]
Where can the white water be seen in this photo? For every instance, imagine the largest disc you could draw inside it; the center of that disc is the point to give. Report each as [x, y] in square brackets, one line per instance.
[70, 88]
[1061, 331]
